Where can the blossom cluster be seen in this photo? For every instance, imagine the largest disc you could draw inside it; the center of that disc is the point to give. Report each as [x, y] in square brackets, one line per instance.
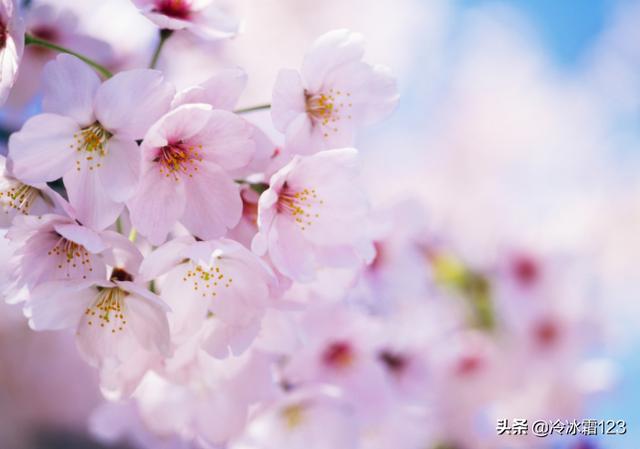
[235, 292]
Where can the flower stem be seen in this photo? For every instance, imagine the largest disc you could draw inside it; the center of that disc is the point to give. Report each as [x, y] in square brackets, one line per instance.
[32, 40]
[259, 107]
[164, 36]
[258, 187]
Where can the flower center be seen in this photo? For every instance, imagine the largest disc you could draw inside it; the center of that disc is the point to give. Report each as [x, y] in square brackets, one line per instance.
[338, 355]
[525, 269]
[19, 197]
[91, 143]
[207, 279]
[394, 362]
[108, 310]
[302, 205]
[293, 415]
[177, 159]
[546, 333]
[72, 258]
[327, 109]
[178, 9]
[4, 35]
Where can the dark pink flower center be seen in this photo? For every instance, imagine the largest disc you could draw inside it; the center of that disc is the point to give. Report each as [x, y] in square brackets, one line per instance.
[4, 34]
[525, 270]
[394, 362]
[546, 333]
[178, 9]
[338, 354]
[178, 159]
[468, 365]
[46, 32]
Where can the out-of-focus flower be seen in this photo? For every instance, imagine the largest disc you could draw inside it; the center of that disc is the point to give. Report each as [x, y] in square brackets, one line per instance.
[321, 106]
[314, 214]
[87, 135]
[11, 45]
[341, 352]
[316, 414]
[121, 327]
[201, 17]
[185, 157]
[217, 282]
[61, 26]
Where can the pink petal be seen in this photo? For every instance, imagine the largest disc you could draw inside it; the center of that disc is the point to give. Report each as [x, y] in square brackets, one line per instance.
[302, 137]
[90, 198]
[165, 257]
[144, 294]
[373, 91]
[157, 205]
[290, 253]
[120, 169]
[59, 304]
[11, 54]
[288, 100]
[69, 88]
[42, 150]
[130, 102]
[149, 324]
[226, 140]
[82, 235]
[212, 23]
[181, 124]
[213, 203]
[328, 52]
[221, 91]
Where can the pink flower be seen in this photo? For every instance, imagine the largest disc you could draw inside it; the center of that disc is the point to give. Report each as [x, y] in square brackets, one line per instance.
[201, 17]
[186, 155]
[314, 414]
[314, 215]
[321, 106]
[17, 198]
[339, 350]
[222, 91]
[55, 247]
[218, 284]
[11, 45]
[87, 135]
[121, 327]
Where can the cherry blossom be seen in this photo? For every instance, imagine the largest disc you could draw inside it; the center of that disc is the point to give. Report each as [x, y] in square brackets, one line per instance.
[314, 215]
[87, 135]
[200, 17]
[303, 416]
[185, 158]
[11, 45]
[121, 327]
[224, 271]
[55, 247]
[17, 198]
[217, 284]
[321, 106]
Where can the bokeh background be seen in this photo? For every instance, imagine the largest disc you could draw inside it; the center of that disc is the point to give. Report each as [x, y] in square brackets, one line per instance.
[519, 121]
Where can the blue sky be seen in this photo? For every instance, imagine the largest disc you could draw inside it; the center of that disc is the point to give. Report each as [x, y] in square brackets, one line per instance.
[566, 27]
